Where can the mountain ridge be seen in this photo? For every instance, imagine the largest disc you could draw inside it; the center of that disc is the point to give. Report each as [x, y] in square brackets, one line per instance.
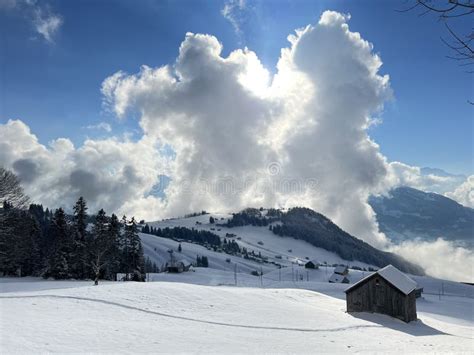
[407, 213]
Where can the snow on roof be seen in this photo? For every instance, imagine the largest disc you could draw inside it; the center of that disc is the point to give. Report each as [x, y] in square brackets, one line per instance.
[397, 279]
[336, 278]
[394, 276]
[184, 262]
[340, 269]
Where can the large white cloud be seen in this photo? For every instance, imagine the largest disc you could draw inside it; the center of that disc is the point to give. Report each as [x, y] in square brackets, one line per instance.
[224, 118]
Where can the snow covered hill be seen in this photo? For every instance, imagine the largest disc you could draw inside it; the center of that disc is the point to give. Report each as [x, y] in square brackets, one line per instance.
[279, 250]
[180, 317]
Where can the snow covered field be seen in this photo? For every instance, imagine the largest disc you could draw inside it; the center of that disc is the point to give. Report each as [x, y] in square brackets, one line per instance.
[225, 309]
[179, 316]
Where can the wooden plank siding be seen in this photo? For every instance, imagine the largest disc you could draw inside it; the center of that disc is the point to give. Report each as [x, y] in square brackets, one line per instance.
[379, 296]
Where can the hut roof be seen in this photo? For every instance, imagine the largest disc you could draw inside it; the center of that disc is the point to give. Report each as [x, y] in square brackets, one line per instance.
[394, 276]
[336, 278]
[184, 262]
[340, 269]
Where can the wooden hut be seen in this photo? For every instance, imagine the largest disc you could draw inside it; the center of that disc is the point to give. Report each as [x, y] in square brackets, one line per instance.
[387, 291]
[312, 264]
[178, 266]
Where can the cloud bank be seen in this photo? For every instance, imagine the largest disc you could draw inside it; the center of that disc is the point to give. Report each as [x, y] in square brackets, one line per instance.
[116, 174]
[440, 259]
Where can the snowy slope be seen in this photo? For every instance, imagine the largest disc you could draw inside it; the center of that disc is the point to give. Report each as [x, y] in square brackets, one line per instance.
[290, 250]
[176, 317]
[190, 251]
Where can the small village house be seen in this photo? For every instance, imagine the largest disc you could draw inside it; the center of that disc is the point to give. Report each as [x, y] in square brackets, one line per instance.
[340, 275]
[176, 266]
[340, 279]
[312, 264]
[388, 291]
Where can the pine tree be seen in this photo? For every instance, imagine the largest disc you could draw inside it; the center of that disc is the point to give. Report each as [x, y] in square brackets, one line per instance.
[132, 251]
[114, 264]
[27, 234]
[137, 267]
[146, 229]
[6, 234]
[58, 264]
[124, 249]
[180, 249]
[79, 256]
[99, 245]
[19, 236]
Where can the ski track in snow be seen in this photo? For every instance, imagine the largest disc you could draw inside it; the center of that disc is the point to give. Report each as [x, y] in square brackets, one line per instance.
[193, 319]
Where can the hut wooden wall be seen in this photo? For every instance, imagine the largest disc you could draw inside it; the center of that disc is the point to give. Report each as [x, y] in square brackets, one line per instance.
[383, 298]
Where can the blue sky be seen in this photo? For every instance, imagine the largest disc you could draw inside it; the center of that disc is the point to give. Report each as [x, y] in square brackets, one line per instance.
[54, 86]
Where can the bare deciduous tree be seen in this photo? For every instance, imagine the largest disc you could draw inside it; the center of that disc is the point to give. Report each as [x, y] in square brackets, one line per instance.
[98, 263]
[11, 189]
[447, 11]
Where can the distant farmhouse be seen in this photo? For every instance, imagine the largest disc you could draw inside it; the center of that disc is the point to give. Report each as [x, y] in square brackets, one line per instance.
[177, 266]
[338, 279]
[387, 291]
[340, 275]
[312, 264]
